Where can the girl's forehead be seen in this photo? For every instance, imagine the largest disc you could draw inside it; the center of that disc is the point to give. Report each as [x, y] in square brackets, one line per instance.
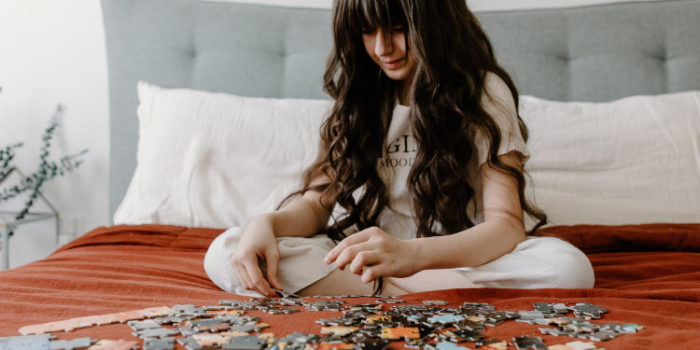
[376, 13]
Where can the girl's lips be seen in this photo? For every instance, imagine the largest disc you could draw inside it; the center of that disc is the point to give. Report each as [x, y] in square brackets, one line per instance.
[392, 64]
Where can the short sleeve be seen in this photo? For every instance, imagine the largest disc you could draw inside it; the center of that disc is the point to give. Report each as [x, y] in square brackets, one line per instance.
[500, 105]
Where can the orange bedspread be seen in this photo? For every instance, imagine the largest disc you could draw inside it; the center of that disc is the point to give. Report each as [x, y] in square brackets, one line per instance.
[646, 274]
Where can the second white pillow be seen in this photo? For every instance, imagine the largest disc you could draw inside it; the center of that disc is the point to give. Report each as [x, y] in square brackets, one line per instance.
[634, 160]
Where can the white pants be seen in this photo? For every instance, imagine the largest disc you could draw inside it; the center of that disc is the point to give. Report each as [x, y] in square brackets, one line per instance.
[538, 262]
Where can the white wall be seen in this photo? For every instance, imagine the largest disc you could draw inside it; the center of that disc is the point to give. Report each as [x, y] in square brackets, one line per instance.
[53, 51]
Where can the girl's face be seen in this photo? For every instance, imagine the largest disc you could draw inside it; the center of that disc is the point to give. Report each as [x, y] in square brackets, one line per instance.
[388, 50]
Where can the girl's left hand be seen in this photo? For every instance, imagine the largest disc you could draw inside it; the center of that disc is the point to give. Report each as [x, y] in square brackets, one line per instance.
[373, 253]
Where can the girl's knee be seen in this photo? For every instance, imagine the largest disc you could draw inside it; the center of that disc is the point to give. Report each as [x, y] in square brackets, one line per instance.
[217, 262]
[570, 267]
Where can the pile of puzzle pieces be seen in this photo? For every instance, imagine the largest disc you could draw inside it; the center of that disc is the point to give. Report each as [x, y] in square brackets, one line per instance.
[375, 326]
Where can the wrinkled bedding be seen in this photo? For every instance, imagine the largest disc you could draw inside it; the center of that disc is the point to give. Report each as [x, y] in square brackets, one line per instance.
[645, 274]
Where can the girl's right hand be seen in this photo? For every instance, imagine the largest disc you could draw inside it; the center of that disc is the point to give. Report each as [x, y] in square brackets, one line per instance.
[258, 245]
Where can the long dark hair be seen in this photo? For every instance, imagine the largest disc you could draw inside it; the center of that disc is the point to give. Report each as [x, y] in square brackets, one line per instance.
[453, 56]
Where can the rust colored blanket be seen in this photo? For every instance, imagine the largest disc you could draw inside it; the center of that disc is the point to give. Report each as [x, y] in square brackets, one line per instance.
[645, 274]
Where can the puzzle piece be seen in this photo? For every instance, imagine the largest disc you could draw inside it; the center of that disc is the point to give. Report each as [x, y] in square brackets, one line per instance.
[156, 333]
[445, 345]
[159, 344]
[374, 319]
[551, 309]
[282, 310]
[333, 346]
[326, 305]
[602, 335]
[588, 310]
[210, 340]
[462, 335]
[630, 328]
[232, 334]
[338, 330]
[579, 345]
[190, 343]
[396, 333]
[476, 319]
[76, 343]
[120, 344]
[140, 325]
[38, 341]
[492, 344]
[559, 347]
[246, 328]
[371, 344]
[446, 319]
[557, 332]
[212, 327]
[530, 315]
[230, 312]
[246, 342]
[525, 342]
[302, 338]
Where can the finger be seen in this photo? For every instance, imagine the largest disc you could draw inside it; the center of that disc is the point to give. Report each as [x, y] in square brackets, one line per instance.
[272, 261]
[242, 276]
[259, 283]
[364, 259]
[372, 273]
[355, 238]
[349, 253]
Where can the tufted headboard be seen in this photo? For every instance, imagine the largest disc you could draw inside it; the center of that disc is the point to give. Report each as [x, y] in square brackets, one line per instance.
[595, 53]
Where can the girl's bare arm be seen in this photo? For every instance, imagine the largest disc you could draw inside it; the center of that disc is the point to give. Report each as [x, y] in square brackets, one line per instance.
[498, 235]
[303, 217]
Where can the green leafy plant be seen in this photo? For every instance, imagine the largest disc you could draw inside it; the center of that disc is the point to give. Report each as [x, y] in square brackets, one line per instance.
[48, 169]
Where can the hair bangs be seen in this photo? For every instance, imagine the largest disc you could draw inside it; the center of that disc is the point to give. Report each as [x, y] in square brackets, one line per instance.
[368, 14]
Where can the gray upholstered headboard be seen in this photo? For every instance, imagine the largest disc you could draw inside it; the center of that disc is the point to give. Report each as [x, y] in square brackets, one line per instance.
[594, 53]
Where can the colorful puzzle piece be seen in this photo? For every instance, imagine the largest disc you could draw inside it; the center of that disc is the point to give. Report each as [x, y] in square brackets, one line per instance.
[396, 333]
[121, 344]
[338, 330]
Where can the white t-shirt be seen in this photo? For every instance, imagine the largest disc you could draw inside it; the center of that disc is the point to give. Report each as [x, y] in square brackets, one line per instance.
[401, 148]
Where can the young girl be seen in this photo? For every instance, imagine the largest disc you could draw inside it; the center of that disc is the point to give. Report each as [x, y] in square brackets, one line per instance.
[421, 157]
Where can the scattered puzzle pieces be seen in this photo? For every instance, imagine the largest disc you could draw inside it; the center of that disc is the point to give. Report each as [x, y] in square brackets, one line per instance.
[431, 325]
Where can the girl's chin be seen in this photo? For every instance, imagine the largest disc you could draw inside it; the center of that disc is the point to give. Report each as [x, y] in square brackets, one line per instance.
[396, 74]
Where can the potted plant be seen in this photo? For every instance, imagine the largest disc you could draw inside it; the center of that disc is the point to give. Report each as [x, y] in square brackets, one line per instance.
[32, 183]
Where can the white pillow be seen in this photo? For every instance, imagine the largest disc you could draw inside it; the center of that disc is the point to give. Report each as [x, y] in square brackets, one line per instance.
[216, 160]
[635, 160]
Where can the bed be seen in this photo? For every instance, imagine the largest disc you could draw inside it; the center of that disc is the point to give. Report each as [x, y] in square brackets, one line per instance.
[622, 77]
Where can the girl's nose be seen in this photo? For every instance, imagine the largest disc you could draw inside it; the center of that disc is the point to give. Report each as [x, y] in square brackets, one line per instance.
[382, 43]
